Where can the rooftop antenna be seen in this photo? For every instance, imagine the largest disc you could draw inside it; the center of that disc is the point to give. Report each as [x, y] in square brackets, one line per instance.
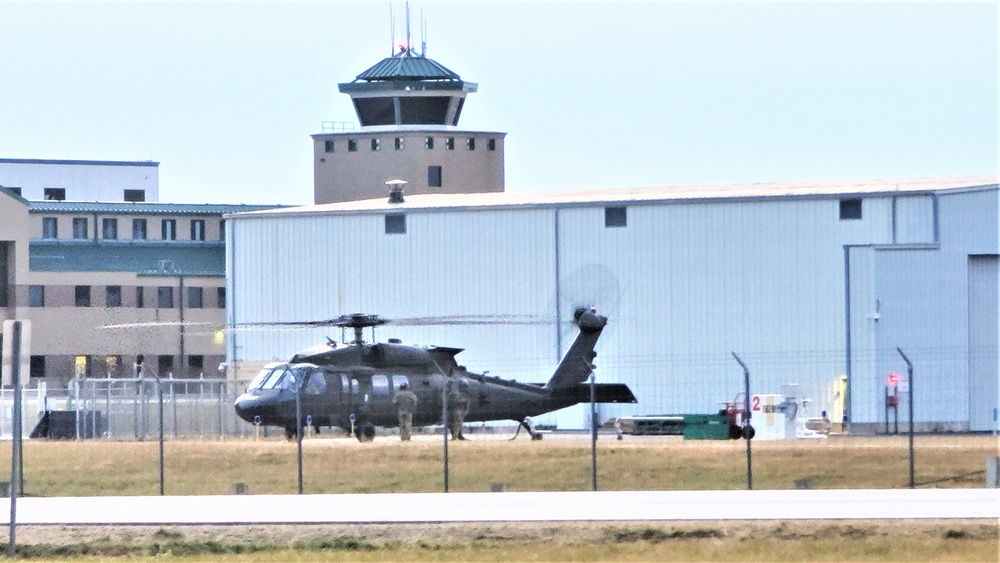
[407, 28]
[423, 34]
[392, 32]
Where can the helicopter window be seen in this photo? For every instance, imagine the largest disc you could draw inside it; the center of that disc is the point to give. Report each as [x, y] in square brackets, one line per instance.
[380, 384]
[355, 387]
[345, 386]
[398, 381]
[258, 379]
[316, 383]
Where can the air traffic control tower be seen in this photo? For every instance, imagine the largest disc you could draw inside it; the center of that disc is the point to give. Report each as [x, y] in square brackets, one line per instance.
[408, 107]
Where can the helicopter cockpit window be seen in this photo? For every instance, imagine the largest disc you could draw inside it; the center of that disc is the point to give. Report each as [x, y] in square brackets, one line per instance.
[258, 380]
[273, 378]
[398, 381]
[380, 384]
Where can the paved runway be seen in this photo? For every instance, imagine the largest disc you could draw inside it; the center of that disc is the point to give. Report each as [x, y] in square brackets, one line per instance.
[510, 506]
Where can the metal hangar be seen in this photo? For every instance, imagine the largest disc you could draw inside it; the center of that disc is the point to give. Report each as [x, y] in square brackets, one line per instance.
[810, 283]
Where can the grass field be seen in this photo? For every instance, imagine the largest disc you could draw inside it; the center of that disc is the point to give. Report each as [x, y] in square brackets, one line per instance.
[341, 465]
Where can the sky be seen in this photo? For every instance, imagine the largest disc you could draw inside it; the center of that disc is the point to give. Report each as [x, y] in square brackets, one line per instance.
[591, 95]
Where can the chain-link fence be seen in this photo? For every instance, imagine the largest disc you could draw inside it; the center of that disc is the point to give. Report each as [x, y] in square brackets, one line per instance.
[129, 409]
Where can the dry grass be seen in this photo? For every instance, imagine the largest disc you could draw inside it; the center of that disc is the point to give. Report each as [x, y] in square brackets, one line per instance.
[633, 541]
[341, 465]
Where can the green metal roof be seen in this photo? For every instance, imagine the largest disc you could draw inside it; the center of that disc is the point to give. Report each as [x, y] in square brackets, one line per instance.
[142, 208]
[183, 257]
[408, 68]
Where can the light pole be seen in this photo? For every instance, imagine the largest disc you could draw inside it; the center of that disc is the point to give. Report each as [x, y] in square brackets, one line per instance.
[159, 397]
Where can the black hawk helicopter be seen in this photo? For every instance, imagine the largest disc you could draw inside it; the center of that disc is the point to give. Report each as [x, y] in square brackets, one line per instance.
[350, 386]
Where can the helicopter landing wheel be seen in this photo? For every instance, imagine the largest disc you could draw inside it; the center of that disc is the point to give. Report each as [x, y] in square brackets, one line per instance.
[735, 432]
[749, 432]
[290, 432]
[365, 432]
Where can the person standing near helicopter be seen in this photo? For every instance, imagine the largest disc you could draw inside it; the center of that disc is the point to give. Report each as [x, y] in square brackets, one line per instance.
[406, 401]
[458, 405]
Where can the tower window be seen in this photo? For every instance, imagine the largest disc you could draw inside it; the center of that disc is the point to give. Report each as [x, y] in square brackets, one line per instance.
[109, 228]
[395, 224]
[352, 145]
[37, 367]
[434, 176]
[50, 227]
[399, 143]
[135, 195]
[615, 217]
[220, 297]
[376, 144]
[470, 143]
[328, 146]
[428, 142]
[197, 229]
[165, 297]
[139, 229]
[850, 208]
[449, 143]
[168, 229]
[55, 194]
[491, 145]
[79, 227]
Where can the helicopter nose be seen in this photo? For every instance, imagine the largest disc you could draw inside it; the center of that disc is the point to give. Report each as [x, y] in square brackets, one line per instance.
[247, 406]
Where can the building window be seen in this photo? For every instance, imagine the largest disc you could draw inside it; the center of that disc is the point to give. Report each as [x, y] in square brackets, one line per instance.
[220, 297]
[491, 145]
[55, 194]
[328, 146]
[165, 365]
[222, 229]
[395, 224]
[168, 229]
[36, 296]
[352, 145]
[850, 208]
[196, 364]
[434, 176]
[139, 229]
[449, 143]
[81, 366]
[140, 300]
[112, 365]
[376, 144]
[196, 298]
[470, 143]
[109, 229]
[37, 368]
[399, 143]
[135, 195]
[429, 142]
[113, 296]
[82, 295]
[79, 227]
[165, 297]
[197, 229]
[50, 227]
[615, 217]
[15, 191]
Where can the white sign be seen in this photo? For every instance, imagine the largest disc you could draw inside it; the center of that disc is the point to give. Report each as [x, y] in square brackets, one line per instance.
[24, 350]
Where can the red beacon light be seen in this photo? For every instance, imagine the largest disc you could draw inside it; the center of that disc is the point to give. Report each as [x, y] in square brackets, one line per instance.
[893, 379]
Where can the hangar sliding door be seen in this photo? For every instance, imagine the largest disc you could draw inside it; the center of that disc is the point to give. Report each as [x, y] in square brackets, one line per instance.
[984, 338]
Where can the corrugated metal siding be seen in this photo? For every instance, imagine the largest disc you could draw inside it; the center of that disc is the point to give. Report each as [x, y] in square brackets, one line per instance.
[915, 220]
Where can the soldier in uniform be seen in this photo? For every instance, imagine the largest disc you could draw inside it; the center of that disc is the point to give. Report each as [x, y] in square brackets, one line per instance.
[458, 404]
[406, 402]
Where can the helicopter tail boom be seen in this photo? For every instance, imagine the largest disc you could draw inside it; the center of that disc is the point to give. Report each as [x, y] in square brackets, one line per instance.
[576, 365]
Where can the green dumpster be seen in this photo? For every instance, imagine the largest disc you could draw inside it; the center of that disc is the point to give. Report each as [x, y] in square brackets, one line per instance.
[706, 427]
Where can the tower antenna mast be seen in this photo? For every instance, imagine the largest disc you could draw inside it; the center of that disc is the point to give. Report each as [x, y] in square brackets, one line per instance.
[407, 28]
[392, 32]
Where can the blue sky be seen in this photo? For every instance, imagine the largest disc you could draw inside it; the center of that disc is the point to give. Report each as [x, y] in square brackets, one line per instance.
[592, 95]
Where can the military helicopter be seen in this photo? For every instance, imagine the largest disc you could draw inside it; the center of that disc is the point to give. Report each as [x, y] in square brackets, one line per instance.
[350, 385]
